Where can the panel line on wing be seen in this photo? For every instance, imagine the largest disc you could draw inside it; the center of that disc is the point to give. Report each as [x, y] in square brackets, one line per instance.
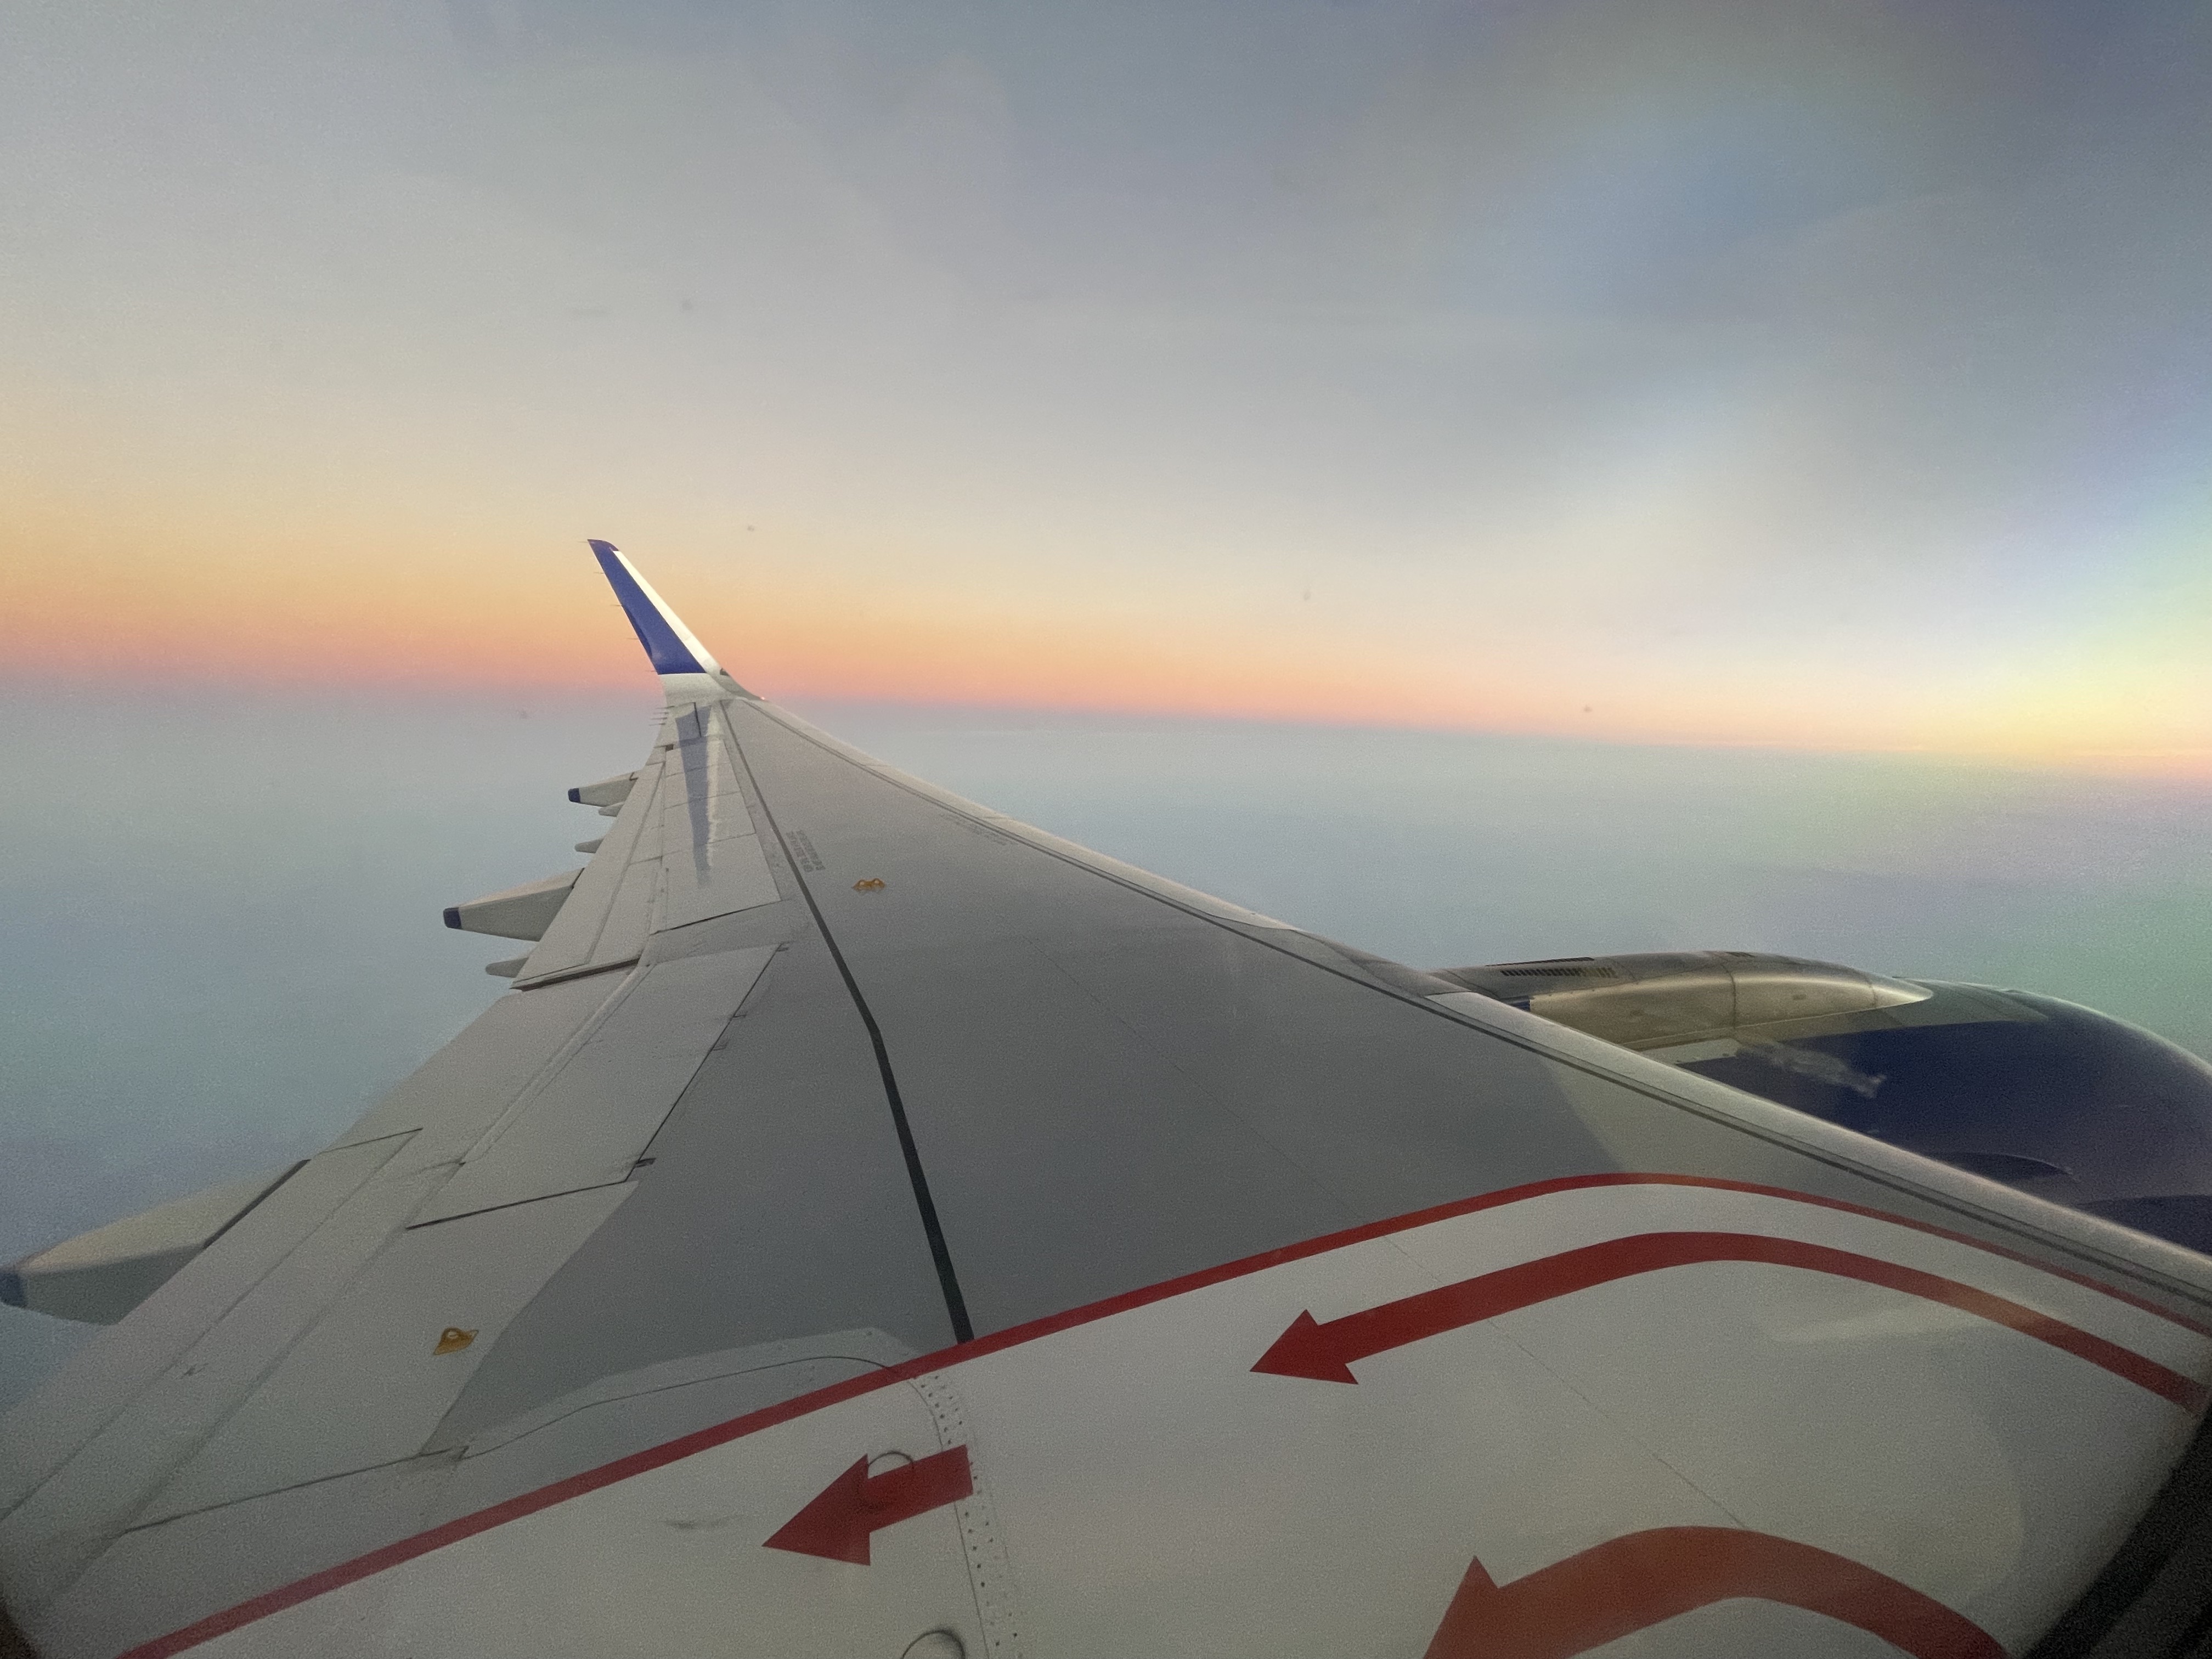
[1905, 1174]
[956, 1304]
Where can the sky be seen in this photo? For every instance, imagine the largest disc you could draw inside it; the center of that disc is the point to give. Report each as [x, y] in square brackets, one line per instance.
[1790, 372]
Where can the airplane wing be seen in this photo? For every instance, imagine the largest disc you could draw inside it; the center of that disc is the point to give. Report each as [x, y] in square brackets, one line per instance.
[873, 1225]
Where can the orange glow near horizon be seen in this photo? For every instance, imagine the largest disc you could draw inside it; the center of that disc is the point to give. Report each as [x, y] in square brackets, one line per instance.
[515, 617]
[1684, 383]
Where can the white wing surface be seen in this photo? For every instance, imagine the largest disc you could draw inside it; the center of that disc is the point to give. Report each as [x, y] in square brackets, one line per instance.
[870, 1222]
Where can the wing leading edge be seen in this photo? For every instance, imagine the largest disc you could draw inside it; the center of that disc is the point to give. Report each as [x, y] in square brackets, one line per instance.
[826, 1092]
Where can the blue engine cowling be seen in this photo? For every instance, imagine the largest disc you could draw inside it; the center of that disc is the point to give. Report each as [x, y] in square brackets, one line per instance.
[2054, 1098]
[2059, 1100]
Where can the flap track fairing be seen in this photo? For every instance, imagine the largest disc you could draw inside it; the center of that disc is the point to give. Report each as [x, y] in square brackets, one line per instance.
[524, 912]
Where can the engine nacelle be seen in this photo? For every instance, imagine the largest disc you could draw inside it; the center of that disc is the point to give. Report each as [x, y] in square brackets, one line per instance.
[2044, 1095]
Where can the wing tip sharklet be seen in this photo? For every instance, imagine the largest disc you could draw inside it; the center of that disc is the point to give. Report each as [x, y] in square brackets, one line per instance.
[674, 650]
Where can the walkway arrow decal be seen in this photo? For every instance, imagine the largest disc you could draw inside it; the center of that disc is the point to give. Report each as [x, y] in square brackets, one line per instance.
[1326, 1353]
[1631, 1584]
[837, 1523]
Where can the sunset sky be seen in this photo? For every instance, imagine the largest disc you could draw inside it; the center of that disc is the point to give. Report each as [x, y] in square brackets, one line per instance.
[1814, 374]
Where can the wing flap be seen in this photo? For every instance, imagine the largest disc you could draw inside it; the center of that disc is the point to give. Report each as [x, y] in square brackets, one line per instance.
[593, 1119]
[716, 879]
[608, 915]
[398, 1344]
[207, 1337]
[99, 1276]
[712, 861]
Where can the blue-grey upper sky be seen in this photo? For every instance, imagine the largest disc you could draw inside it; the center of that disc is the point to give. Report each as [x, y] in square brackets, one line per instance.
[1794, 371]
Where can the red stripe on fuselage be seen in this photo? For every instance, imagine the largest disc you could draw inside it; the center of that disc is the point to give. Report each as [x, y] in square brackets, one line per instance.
[401, 1551]
[1631, 1584]
[1325, 1352]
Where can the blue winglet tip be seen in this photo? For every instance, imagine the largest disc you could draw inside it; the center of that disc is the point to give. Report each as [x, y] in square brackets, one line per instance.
[664, 647]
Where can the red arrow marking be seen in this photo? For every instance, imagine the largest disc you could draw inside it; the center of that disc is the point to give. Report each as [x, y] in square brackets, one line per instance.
[1631, 1584]
[836, 1523]
[1325, 1352]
